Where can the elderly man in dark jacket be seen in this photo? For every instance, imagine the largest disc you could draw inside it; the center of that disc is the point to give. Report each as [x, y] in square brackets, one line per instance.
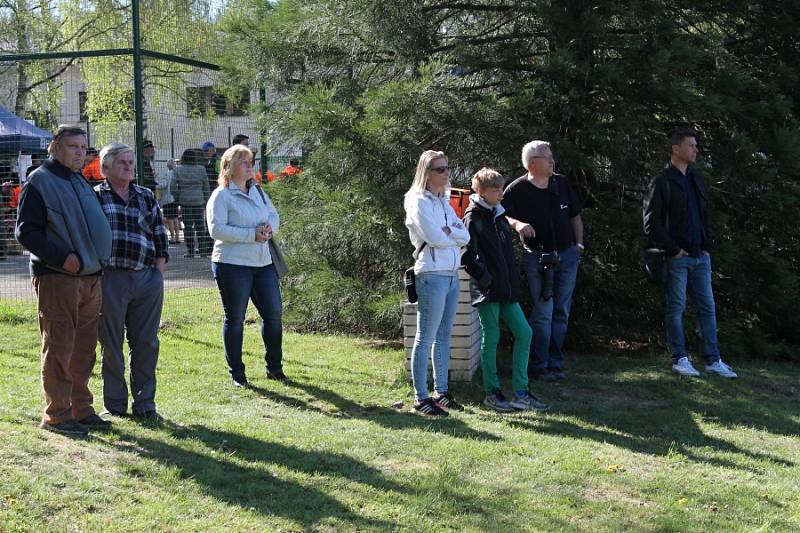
[62, 224]
[495, 291]
[677, 219]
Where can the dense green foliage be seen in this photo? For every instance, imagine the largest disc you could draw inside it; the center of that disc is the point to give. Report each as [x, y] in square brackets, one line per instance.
[367, 85]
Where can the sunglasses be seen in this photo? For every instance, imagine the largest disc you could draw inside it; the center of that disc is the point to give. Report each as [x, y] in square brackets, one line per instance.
[440, 170]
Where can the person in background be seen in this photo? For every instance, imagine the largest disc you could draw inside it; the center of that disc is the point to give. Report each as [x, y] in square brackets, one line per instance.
[292, 169]
[210, 161]
[91, 167]
[244, 140]
[190, 190]
[149, 179]
[7, 216]
[63, 226]
[36, 162]
[544, 210]
[169, 207]
[677, 218]
[133, 285]
[242, 219]
[437, 235]
[495, 291]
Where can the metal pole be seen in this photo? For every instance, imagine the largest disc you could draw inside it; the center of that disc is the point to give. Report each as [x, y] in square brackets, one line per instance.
[264, 156]
[172, 143]
[137, 92]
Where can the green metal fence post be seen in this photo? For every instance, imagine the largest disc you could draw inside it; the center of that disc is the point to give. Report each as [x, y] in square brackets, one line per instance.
[137, 92]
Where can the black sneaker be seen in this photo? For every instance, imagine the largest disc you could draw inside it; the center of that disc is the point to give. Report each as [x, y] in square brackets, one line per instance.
[95, 422]
[427, 407]
[148, 416]
[240, 383]
[556, 374]
[70, 427]
[279, 376]
[446, 401]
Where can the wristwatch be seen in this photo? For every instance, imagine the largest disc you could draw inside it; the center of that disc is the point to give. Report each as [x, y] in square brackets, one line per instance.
[581, 246]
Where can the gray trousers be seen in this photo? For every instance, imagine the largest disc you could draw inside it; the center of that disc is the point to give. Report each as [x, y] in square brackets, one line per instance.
[132, 307]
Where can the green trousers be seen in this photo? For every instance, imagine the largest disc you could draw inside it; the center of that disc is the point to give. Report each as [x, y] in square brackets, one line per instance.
[490, 314]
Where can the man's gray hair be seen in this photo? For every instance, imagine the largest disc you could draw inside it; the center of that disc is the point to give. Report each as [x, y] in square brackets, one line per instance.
[531, 149]
[109, 153]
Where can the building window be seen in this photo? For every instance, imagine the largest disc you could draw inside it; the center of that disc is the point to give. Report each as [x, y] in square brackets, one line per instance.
[82, 115]
[203, 100]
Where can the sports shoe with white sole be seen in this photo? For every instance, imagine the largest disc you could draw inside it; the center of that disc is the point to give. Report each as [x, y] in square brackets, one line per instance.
[498, 402]
[684, 367]
[525, 401]
[721, 369]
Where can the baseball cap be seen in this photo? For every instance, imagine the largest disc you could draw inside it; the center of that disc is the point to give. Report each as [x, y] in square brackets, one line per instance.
[207, 145]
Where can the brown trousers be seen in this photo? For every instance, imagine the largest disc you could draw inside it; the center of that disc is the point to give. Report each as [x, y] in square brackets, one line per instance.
[69, 314]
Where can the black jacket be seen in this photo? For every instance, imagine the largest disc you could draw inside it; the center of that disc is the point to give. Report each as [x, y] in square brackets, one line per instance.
[489, 258]
[664, 189]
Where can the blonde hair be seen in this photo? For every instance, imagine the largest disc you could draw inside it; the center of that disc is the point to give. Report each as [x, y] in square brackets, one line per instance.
[487, 178]
[230, 159]
[420, 183]
[109, 154]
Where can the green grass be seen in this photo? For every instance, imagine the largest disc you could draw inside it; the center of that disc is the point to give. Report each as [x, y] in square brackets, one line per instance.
[627, 445]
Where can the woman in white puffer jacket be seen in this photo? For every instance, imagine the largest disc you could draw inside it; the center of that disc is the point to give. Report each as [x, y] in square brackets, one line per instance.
[438, 236]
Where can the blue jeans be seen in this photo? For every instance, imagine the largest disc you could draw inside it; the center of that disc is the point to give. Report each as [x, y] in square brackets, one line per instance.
[436, 310]
[237, 285]
[692, 275]
[549, 318]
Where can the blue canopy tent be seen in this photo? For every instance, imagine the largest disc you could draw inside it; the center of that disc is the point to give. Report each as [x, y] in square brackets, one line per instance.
[18, 135]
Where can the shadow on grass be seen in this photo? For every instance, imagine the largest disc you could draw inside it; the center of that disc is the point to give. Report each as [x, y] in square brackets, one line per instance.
[658, 415]
[237, 469]
[385, 417]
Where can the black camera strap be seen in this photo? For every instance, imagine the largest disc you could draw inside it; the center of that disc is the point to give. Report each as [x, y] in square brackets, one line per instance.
[553, 190]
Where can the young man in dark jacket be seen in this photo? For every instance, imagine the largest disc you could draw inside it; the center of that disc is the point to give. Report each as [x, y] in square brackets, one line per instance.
[495, 290]
[677, 219]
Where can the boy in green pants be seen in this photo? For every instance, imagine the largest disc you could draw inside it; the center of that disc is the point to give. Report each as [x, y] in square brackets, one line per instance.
[495, 291]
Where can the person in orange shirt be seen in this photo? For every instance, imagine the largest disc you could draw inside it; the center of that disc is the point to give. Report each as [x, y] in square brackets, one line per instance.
[291, 169]
[91, 167]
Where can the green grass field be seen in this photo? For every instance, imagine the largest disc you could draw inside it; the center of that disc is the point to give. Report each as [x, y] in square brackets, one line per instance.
[627, 446]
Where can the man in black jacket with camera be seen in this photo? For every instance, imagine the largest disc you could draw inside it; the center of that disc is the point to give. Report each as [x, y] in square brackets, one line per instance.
[544, 210]
[677, 219]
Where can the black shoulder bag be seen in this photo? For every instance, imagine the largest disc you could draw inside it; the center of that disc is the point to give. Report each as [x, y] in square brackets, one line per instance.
[278, 261]
[410, 279]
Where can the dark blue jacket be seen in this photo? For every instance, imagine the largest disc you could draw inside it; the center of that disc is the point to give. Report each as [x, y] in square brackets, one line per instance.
[666, 196]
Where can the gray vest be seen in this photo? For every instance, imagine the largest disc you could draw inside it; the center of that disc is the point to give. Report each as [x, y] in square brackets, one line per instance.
[75, 218]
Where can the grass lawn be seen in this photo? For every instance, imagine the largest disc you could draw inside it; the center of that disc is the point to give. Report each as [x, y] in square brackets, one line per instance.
[627, 446]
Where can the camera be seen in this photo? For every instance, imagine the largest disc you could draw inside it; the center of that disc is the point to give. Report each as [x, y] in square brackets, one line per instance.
[547, 263]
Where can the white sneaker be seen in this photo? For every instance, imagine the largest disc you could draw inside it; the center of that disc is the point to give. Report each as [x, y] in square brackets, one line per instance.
[684, 368]
[721, 369]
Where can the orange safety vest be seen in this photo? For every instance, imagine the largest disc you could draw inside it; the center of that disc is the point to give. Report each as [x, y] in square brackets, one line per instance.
[14, 200]
[290, 171]
[92, 171]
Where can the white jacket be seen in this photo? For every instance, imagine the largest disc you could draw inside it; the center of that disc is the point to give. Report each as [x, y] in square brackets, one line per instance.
[232, 218]
[426, 215]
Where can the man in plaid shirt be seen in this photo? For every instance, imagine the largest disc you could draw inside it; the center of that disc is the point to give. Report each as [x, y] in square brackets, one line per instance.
[133, 285]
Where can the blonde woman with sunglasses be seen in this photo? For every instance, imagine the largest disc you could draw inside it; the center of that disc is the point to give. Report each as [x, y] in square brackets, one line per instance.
[437, 235]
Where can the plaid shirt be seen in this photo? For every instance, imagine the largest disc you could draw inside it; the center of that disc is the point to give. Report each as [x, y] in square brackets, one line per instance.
[137, 228]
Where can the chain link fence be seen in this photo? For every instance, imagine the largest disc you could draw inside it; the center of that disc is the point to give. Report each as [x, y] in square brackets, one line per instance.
[185, 114]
